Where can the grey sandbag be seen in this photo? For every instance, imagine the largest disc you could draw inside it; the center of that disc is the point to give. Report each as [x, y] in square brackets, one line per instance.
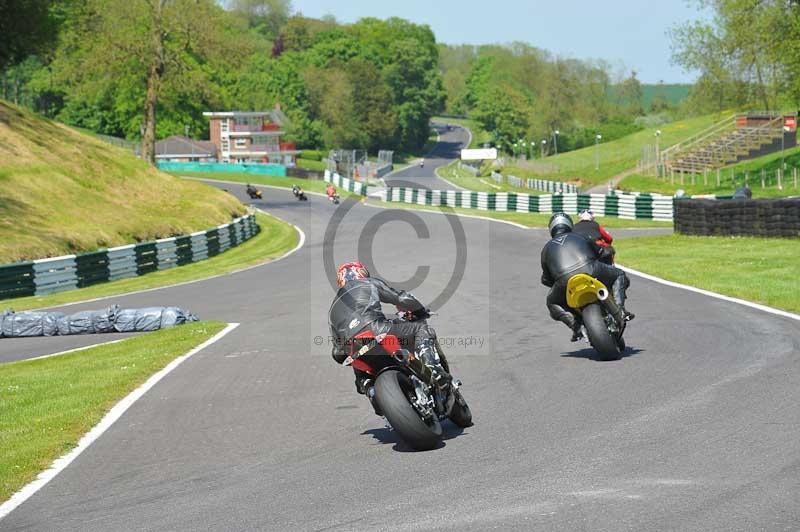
[148, 319]
[172, 316]
[88, 322]
[33, 323]
[125, 320]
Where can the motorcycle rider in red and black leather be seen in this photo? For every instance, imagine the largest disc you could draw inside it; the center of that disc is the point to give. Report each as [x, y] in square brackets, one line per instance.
[590, 229]
[357, 307]
[568, 254]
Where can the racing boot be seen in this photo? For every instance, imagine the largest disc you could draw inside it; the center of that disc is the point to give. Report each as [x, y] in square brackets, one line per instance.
[618, 290]
[577, 330]
[430, 358]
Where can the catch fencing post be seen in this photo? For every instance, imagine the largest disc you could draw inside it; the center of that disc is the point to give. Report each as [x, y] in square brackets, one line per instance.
[718, 171]
[794, 174]
[705, 176]
[763, 172]
[780, 179]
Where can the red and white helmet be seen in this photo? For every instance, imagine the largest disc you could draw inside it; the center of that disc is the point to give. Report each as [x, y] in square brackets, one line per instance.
[350, 271]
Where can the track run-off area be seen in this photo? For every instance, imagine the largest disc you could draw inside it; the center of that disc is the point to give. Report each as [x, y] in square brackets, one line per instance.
[696, 428]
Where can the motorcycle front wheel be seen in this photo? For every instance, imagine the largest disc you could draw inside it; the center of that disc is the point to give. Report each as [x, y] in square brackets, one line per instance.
[394, 393]
[601, 339]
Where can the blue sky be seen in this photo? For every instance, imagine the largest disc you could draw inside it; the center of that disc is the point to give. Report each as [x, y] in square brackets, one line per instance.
[623, 32]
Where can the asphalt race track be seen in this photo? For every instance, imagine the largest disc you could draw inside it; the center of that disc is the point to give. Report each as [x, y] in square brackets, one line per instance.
[697, 428]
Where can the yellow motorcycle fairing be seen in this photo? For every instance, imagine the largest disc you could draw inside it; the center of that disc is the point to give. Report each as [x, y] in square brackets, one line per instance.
[582, 290]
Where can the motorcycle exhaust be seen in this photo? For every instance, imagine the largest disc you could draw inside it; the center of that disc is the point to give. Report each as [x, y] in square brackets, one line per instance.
[611, 306]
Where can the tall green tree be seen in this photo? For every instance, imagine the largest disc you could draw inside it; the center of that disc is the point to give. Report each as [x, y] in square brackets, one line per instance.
[265, 16]
[746, 54]
[26, 27]
[136, 54]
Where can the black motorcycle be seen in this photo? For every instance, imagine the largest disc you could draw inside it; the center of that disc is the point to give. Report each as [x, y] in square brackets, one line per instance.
[299, 194]
[412, 405]
[604, 320]
[254, 193]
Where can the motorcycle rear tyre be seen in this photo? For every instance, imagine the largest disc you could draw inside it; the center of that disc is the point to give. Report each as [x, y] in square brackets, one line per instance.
[390, 392]
[602, 341]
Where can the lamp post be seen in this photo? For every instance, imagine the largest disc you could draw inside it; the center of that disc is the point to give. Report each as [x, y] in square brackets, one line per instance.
[786, 129]
[597, 151]
[544, 143]
[658, 153]
[186, 128]
[555, 141]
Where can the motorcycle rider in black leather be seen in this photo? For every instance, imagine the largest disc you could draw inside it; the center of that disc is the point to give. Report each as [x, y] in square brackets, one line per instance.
[567, 254]
[357, 307]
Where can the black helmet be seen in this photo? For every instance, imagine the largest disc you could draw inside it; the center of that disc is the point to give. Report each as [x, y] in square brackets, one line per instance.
[560, 222]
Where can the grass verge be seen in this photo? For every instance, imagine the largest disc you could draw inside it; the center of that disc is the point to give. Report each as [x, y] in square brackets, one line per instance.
[276, 238]
[48, 404]
[763, 270]
[311, 164]
[641, 183]
[466, 180]
[536, 220]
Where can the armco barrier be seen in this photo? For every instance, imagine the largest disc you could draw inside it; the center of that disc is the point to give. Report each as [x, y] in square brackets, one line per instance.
[242, 168]
[642, 207]
[537, 184]
[345, 183]
[47, 276]
[738, 217]
[551, 186]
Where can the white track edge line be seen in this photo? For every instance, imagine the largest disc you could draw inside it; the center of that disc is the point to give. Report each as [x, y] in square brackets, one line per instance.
[184, 283]
[105, 423]
[709, 293]
[68, 351]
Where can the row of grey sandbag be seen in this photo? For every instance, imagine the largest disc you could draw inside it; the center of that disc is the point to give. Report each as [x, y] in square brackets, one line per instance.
[113, 319]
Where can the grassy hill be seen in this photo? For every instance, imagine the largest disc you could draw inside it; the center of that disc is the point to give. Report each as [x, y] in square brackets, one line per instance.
[63, 192]
[731, 178]
[615, 157]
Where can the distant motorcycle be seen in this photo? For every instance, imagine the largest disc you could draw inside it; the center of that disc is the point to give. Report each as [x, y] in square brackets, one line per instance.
[422, 163]
[602, 317]
[254, 193]
[299, 194]
[334, 198]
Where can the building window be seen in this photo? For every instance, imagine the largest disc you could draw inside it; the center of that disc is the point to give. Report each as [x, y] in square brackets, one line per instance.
[241, 143]
[226, 145]
[223, 125]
